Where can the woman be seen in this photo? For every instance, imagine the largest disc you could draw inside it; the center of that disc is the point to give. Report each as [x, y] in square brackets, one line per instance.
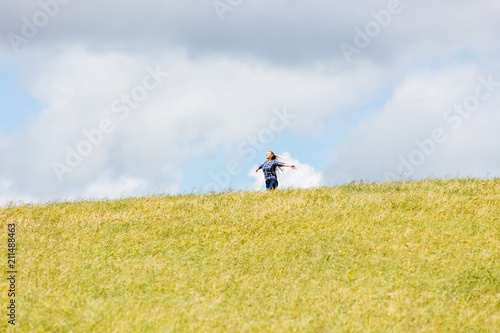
[269, 168]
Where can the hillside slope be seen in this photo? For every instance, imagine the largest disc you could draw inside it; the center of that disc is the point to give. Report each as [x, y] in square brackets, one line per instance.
[393, 257]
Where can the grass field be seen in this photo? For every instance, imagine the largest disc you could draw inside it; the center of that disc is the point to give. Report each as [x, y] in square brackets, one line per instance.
[419, 256]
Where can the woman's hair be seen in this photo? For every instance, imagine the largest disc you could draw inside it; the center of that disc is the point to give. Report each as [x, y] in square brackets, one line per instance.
[275, 157]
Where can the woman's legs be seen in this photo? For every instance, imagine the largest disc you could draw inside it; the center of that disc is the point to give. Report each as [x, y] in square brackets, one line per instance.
[271, 184]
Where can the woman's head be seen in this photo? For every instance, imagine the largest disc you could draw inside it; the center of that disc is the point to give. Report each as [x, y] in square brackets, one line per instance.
[270, 155]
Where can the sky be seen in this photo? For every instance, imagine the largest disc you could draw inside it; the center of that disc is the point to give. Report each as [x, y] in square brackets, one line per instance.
[111, 99]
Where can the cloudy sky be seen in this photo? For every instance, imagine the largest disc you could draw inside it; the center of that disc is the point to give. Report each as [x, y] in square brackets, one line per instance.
[127, 98]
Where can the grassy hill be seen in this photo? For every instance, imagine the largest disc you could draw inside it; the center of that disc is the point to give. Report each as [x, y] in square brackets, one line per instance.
[392, 257]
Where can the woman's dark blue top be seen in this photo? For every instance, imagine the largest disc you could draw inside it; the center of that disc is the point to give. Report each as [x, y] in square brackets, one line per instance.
[269, 168]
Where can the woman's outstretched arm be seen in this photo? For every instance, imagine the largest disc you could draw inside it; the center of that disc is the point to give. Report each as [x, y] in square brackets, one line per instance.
[290, 166]
[260, 167]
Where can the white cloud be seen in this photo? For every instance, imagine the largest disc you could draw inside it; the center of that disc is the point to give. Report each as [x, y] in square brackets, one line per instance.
[417, 107]
[305, 176]
[113, 188]
[227, 77]
[8, 197]
[199, 106]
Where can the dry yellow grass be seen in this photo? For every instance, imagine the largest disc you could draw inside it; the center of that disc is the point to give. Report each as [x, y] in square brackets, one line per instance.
[391, 257]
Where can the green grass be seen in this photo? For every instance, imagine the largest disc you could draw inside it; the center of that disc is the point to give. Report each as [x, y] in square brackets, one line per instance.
[419, 256]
